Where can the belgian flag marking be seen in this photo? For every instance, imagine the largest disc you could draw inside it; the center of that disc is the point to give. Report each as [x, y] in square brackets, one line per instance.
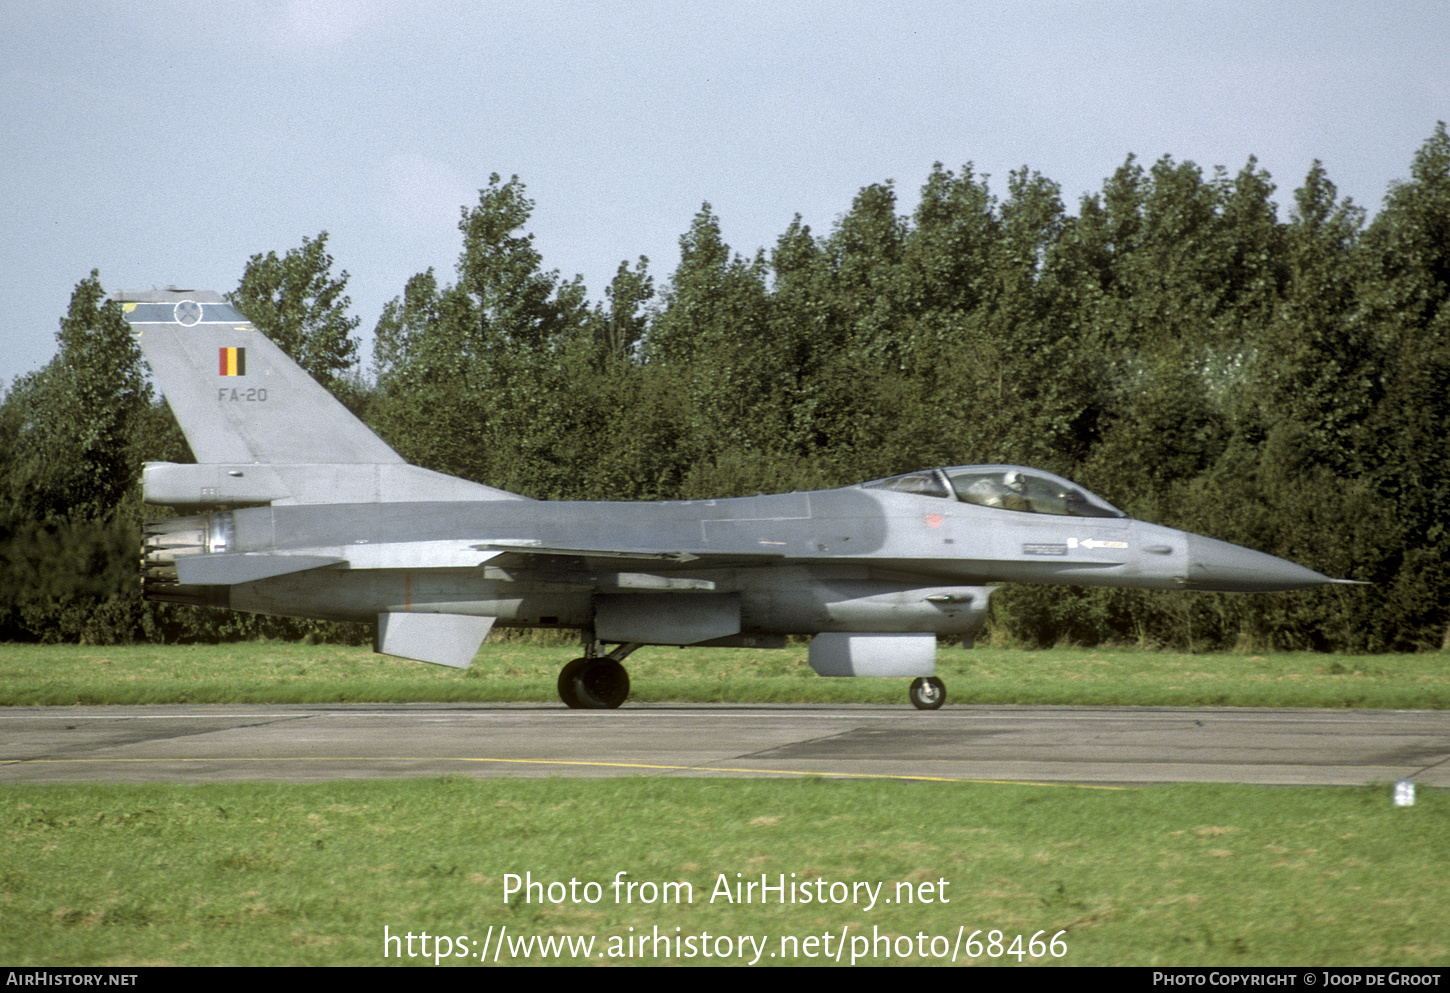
[232, 361]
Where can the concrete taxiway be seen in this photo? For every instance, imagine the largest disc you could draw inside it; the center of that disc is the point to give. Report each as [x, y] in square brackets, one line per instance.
[307, 743]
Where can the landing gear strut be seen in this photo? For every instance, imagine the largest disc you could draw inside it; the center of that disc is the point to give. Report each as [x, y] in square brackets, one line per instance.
[595, 682]
[927, 693]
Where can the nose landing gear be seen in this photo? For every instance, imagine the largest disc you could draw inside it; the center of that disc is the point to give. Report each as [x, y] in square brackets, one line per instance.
[927, 693]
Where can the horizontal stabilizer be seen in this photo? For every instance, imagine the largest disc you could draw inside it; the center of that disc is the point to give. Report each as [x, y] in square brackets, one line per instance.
[241, 484]
[242, 567]
[442, 639]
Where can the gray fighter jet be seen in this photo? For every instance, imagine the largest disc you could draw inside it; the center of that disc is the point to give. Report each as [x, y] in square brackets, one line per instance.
[300, 510]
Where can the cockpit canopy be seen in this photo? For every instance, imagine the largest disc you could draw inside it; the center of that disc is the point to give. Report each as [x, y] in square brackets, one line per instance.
[1005, 487]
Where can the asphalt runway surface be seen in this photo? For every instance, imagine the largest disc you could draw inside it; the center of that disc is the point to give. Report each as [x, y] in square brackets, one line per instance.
[313, 742]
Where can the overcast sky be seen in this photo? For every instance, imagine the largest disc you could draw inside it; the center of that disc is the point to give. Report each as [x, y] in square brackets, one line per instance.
[165, 143]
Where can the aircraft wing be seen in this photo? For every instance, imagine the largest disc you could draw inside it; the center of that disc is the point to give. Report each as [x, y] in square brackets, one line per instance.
[699, 558]
[232, 569]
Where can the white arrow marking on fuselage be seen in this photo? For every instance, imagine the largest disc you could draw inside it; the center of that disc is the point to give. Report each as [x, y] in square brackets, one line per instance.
[1094, 543]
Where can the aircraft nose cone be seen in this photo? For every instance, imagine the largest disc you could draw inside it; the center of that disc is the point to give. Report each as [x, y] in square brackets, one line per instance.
[1218, 565]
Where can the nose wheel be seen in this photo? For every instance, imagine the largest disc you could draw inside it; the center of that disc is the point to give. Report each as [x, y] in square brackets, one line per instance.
[927, 693]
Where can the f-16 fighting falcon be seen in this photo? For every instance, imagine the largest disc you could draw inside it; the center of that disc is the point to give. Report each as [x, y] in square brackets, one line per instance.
[301, 510]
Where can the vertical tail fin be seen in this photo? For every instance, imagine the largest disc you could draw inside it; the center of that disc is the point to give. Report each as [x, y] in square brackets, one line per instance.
[262, 430]
[237, 396]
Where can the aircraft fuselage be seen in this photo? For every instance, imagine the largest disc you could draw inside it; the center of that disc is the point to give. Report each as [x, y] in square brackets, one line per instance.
[799, 563]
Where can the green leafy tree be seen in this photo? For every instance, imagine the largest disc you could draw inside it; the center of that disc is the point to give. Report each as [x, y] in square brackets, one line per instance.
[623, 324]
[70, 468]
[472, 376]
[1405, 301]
[297, 302]
[71, 455]
[500, 270]
[1296, 467]
[946, 252]
[711, 342]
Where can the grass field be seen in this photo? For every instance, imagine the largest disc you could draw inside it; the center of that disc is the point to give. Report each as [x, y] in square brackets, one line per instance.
[277, 874]
[282, 672]
[266, 874]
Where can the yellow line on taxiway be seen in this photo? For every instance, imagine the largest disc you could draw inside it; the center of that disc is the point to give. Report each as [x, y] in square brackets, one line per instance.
[578, 763]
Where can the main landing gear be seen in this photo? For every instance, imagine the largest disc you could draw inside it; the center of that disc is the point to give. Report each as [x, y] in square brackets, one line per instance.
[927, 693]
[595, 682]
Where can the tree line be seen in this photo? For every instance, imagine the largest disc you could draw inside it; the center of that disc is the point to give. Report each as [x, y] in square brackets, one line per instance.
[1175, 346]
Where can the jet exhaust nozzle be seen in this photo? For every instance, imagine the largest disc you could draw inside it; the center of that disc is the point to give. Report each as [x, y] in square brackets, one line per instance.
[163, 542]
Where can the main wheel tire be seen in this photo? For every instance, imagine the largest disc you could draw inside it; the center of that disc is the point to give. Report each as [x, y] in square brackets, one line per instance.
[593, 684]
[569, 680]
[927, 693]
[602, 684]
